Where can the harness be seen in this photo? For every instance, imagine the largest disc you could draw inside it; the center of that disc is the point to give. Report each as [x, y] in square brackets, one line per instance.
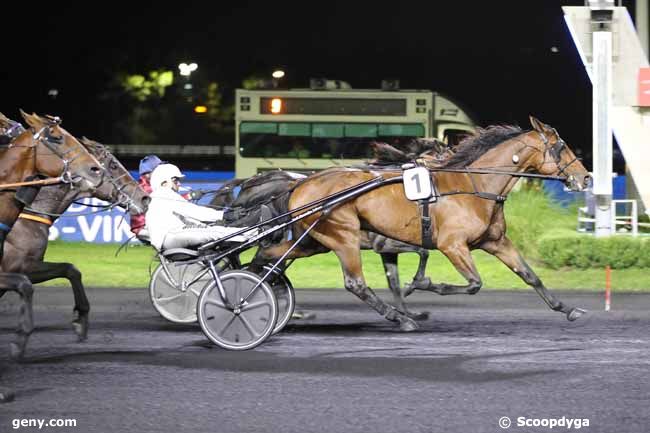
[555, 151]
[425, 219]
[32, 217]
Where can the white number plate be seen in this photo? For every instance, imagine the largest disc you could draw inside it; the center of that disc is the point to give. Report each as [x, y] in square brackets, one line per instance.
[417, 183]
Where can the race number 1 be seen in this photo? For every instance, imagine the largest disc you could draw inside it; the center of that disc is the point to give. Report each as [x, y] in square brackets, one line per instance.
[417, 183]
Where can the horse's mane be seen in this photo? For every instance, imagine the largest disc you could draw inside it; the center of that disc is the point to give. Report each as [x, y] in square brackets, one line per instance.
[94, 146]
[264, 185]
[474, 146]
[269, 176]
[384, 153]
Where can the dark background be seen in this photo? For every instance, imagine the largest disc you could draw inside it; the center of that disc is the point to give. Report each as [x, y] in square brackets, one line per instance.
[496, 58]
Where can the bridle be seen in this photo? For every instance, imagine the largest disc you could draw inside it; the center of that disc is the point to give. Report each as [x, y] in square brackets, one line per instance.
[44, 136]
[555, 151]
[119, 196]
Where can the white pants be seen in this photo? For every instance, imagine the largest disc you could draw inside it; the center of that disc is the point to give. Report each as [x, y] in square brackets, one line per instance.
[195, 236]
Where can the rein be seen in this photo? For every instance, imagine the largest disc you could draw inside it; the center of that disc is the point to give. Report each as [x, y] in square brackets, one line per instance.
[490, 171]
[104, 208]
[48, 181]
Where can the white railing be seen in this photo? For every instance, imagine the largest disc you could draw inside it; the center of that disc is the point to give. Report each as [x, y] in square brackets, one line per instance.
[624, 219]
[587, 222]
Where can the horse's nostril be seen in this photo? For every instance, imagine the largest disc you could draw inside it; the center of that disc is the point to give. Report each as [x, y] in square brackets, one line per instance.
[95, 170]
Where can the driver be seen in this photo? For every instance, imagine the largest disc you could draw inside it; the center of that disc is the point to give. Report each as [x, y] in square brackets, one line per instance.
[174, 222]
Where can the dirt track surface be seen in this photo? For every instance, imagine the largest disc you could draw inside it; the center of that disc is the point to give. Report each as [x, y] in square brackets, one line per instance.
[474, 361]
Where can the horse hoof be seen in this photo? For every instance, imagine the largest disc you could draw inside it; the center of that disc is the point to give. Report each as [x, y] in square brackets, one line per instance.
[408, 325]
[80, 327]
[6, 395]
[418, 315]
[16, 351]
[575, 314]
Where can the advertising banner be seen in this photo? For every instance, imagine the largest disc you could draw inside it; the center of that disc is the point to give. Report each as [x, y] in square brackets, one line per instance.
[84, 222]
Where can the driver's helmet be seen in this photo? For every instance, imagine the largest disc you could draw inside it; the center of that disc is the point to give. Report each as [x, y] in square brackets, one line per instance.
[148, 164]
[164, 173]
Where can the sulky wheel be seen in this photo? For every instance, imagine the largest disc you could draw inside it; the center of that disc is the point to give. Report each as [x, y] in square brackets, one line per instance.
[246, 320]
[283, 291]
[175, 289]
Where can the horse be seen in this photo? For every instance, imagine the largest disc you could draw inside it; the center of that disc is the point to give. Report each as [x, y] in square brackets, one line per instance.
[27, 242]
[244, 200]
[46, 149]
[468, 213]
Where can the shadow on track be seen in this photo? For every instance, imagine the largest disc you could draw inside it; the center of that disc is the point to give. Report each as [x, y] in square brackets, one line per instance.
[439, 369]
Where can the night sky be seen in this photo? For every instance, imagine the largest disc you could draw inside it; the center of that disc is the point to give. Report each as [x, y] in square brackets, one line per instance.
[496, 58]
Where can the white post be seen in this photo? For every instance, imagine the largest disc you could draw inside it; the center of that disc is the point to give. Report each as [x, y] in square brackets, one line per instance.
[641, 14]
[602, 131]
[635, 219]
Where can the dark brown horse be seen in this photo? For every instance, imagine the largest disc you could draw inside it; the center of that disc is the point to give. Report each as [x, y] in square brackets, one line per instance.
[468, 214]
[27, 242]
[45, 149]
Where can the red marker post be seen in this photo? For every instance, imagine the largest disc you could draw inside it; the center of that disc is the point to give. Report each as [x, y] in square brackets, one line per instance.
[608, 288]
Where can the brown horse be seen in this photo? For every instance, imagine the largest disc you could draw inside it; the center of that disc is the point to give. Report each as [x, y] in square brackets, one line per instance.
[468, 214]
[45, 149]
[27, 242]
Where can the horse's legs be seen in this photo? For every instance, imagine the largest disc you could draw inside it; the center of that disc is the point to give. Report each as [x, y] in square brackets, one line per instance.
[354, 282]
[6, 394]
[505, 251]
[389, 260]
[459, 255]
[422, 266]
[46, 271]
[20, 284]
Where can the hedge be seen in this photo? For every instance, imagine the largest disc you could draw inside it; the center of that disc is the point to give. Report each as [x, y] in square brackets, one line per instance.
[587, 251]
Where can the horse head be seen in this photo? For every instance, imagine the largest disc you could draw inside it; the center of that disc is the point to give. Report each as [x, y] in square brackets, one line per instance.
[118, 187]
[58, 153]
[557, 158]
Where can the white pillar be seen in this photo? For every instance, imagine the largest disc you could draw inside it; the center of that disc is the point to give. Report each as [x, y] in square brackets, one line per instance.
[602, 131]
[641, 18]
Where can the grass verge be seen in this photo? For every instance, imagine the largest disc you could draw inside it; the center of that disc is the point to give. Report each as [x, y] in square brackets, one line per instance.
[130, 268]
